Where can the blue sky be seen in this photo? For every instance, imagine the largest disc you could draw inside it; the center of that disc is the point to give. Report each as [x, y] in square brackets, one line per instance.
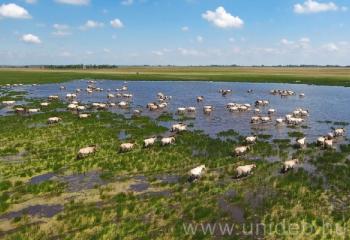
[180, 32]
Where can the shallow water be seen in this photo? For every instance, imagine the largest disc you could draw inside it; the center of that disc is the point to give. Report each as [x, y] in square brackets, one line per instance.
[123, 135]
[169, 179]
[235, 212]
[36, 210]
[79, 182]
[323, 102]
[139, 187]
[41, 178]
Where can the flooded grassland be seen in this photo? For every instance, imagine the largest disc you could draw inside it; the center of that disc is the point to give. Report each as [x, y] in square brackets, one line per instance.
[47, 191]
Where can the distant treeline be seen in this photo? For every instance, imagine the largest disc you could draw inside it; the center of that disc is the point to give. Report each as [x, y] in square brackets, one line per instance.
[106, 66]
[79, 66]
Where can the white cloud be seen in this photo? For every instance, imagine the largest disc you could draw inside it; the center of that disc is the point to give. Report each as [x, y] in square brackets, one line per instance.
[305, 40]
[127, 2]
[74, 2]
[302, 43]
[60, 26]
[199, 39]
[344, 9]
[161, 52]
[12, 10]
[31, 1]
[215, 52]
[30, 38]
[185, 29]
[223, 19]
[65, 54]
[311, 6]
[158, 53]
[167, 50]
[61, 33]
[331, 47]
[90, 24]
[285, 41]
[189, 52]
[116, 23]
[236, 50]
[344, 43]
[61, 30]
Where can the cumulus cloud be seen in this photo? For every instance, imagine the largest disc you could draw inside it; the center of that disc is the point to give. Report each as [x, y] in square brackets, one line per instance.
[344, 43]
[30, 38]
[185, 29]
[60, 26]
[158, 53]
[74, 2]
[189, 52]
[116, 23]
[12, 10]
[61, 30]
[331, 47]
[161, 52]
[311, 6]
[90, 24]
[200, 39]
[222, 19]
[302, 43]
[285, 41]
[61, 33]
[127, 2]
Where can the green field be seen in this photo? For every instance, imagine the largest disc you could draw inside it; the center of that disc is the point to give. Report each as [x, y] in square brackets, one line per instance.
[318, 76]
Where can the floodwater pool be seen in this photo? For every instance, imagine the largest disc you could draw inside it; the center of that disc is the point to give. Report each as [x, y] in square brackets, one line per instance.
[328, 106]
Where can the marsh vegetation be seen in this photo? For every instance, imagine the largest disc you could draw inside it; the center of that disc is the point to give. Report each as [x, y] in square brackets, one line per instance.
[47, 192]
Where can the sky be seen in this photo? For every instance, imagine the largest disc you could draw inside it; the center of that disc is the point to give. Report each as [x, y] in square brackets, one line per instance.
[175, 32]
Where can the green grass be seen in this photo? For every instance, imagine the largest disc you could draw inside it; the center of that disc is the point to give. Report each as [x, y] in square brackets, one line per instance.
[228, 133]
[296, 134]
[341, 123]
[264, 136]
[166, 117]
[318, 76]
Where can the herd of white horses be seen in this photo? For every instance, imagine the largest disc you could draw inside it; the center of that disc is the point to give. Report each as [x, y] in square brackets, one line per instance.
[294, 118]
